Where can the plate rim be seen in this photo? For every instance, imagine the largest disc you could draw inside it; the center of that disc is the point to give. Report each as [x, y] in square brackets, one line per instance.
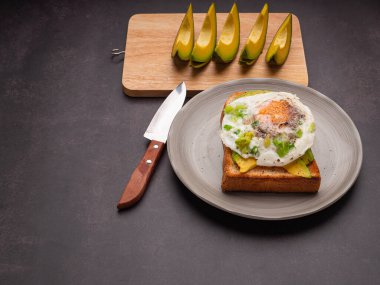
[279, 83]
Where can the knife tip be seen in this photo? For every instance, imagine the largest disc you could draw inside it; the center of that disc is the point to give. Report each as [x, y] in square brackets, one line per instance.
[182, 85]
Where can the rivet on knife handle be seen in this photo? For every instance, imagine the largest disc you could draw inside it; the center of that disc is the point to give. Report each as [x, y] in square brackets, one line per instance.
[140, 177]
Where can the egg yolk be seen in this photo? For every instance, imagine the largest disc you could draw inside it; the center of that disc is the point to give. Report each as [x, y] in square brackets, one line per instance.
[278, 111]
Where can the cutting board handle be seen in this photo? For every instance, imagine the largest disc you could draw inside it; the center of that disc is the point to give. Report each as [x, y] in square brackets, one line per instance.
[141, 175]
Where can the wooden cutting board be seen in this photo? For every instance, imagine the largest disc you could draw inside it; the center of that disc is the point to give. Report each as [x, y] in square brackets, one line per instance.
[150, 71]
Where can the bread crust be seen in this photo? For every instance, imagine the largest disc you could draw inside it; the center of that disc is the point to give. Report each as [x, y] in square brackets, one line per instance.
[265, 179]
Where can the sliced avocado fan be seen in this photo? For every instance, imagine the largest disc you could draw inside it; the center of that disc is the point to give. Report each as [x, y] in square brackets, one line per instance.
[184, 41]
[205, 44]
[228, 44]
[256, 39]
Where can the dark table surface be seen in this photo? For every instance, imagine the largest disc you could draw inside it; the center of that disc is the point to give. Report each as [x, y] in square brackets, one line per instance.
[69, 139]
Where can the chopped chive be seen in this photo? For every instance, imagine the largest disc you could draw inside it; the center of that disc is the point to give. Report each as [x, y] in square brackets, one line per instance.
[227, 127]
[228, 109]
[255, 124]
[243, 141]
[282, 147]
[255, 150]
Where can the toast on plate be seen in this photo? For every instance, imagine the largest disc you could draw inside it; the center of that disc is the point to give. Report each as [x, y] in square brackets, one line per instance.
[264, 178]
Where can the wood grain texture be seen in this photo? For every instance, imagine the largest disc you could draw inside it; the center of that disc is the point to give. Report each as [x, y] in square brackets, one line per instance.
[150, 71]
[141, 175]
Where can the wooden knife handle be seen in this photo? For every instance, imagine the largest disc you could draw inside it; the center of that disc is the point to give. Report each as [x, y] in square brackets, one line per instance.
[140, 177]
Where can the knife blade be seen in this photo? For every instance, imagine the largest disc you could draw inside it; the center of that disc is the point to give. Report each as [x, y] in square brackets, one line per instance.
[157, 132]
[158, 128]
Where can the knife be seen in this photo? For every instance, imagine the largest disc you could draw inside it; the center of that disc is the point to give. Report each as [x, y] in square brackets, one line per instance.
[157, 132]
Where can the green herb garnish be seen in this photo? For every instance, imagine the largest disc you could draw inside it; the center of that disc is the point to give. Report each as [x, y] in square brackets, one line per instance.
[255, 124]
[228, 109]
[227, 127]
[243, 141]
[236, 132]
[255, 150]
[238, 111]
[282, 146]
[299, 133]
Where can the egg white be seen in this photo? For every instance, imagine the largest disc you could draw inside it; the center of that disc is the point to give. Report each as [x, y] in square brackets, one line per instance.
[267, 156]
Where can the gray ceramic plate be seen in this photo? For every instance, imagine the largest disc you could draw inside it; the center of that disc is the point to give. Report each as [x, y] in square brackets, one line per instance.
[195, 152]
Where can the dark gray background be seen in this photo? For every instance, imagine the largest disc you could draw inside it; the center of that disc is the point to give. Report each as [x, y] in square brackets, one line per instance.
[69, 139]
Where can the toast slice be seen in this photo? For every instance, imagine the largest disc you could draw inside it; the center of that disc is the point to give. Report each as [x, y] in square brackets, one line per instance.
[265, 179]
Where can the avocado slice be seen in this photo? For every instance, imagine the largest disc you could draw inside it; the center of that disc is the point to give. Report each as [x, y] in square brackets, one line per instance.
[308, 157]
[299, 168]
[184, 41]
[205, 45]
[228, 44]
[245, 164]
[251, 93]
[256, 39]
[278, 50]
[243, 141]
